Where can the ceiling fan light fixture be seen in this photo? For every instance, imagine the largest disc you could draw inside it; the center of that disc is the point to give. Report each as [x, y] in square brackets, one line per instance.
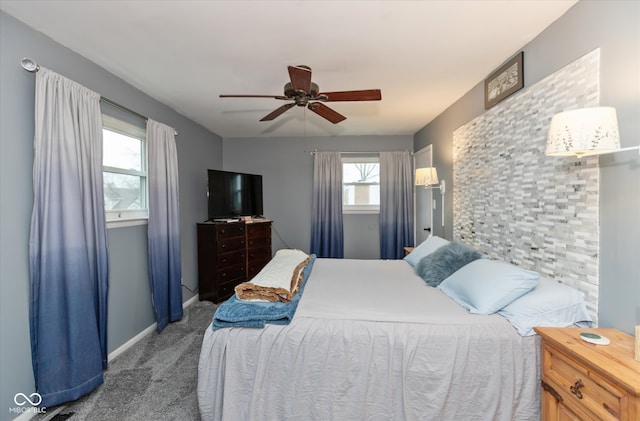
[302, 92]
[291, 93]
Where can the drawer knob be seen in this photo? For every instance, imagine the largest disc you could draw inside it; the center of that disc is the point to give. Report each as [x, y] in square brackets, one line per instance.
[575, 389]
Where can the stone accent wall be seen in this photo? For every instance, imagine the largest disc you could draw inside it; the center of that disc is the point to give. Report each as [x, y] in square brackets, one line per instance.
[516, 204]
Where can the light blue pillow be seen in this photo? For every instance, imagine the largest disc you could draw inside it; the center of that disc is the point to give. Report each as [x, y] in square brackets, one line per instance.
[428, 246]
[440, 264]
[485, 286]
[549, 304]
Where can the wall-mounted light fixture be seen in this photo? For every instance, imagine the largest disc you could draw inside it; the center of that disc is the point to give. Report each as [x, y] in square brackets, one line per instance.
[428, 177]
[584, 132]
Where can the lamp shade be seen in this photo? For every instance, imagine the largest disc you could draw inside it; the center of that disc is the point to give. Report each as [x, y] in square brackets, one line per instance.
[426, 176]
[585, 131]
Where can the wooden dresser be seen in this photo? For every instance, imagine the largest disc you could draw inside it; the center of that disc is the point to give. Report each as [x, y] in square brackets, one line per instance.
[229, 254]
[583, 381]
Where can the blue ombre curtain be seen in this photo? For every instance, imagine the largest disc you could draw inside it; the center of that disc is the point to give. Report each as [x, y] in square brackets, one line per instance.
[68, 242]
[327, 238]
[396, 203]
[165, 271]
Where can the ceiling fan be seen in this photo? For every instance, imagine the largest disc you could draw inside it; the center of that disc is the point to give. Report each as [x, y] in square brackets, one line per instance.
[304, 93]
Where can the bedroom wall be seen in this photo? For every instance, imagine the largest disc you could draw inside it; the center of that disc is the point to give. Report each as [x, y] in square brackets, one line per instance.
[516, 204]
[130, 310]
[614, 27]
[287, 168]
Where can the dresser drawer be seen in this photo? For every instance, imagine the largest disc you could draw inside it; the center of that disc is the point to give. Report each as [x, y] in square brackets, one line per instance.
[259, 243]
[586, 389]
[225, 291]
[259, 230]
[231, 273]
[230, 230]
[255, 266]
[231, 244]
[229, 259]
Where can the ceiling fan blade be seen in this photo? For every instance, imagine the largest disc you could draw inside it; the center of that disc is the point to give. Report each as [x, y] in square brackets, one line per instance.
[255, 96]
[366, 95]
[300, 78]
[272, 115]
[326, 112]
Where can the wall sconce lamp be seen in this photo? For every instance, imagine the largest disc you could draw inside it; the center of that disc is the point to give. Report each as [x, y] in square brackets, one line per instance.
[585, 132]
[428, 177]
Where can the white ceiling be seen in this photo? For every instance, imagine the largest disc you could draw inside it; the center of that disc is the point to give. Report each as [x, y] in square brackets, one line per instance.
[423, 55]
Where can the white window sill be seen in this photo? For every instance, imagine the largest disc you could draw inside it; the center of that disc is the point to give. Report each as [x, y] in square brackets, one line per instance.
[360, 211]
[131, 222]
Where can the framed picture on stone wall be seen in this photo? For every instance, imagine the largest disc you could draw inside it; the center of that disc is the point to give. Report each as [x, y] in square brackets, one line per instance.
[508, 79]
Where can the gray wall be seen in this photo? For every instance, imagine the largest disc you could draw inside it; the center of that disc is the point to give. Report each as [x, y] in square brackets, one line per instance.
[287, 169]
[130, 309]
[613, 26]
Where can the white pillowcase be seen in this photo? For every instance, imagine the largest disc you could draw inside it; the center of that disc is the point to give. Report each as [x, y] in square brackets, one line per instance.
[428, 246]
[485, 286]
[549, 304]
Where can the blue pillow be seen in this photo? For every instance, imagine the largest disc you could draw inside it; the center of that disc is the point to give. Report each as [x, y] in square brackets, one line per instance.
[440, 264]
[549, 304]
[428, 246]
[485, 286]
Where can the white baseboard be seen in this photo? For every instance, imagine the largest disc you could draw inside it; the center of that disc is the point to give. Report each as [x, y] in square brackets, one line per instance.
[50, 414]
[190, 301]
[25, 416]
[131, 342]
[144, 333]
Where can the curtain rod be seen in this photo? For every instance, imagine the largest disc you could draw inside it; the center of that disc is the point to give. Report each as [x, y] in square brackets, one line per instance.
[315, 151]
[31, 66]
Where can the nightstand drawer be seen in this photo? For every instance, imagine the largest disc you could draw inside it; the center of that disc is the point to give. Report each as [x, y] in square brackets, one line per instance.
[583, 387]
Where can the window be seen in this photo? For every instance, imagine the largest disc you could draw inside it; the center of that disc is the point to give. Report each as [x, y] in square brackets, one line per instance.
[124, 170]
[361, 184]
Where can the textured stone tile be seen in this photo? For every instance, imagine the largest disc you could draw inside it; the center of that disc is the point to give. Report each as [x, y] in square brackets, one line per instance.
[516, 204]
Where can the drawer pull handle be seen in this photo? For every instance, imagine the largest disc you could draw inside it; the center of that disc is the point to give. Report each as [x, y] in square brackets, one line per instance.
[546, 386]
[575, 389]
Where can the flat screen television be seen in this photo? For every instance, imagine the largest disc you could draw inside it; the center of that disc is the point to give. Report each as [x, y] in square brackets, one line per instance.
[234, 194]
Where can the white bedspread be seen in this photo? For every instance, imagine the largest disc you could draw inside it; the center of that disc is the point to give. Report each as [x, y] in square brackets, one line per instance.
[370, 341]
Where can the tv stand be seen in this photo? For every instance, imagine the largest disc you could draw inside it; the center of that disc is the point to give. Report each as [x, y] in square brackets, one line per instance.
[230, 253]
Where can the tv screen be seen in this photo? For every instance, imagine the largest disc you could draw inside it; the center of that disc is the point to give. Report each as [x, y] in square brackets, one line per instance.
[233, 194]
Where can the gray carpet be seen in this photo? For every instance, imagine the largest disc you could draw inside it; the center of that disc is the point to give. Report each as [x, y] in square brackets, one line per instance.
[155, 379]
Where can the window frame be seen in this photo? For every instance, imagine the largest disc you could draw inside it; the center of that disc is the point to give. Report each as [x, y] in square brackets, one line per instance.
[360, 209]
[128, 217]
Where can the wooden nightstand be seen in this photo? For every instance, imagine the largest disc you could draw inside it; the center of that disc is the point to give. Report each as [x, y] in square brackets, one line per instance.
[582, 381]
[408, 250]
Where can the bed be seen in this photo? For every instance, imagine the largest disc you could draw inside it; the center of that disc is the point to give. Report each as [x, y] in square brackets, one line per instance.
[371, 340]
